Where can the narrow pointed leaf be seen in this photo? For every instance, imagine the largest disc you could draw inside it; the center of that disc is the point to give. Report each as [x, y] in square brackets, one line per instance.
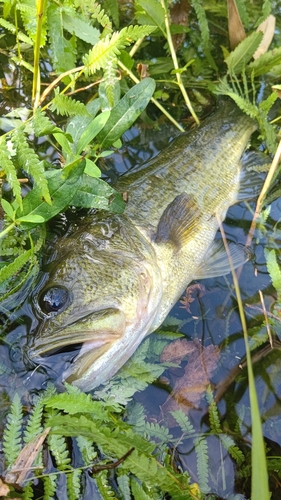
[239, 57]
[125, 113]
[92, 130]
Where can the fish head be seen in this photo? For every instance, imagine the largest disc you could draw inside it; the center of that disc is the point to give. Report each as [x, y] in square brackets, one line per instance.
[101, 292]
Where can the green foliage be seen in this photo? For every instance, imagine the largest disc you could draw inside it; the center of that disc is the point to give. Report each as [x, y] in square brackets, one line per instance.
[12, 438]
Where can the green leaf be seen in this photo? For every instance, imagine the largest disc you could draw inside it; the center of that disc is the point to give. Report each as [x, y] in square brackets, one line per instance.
[10, 269]
[35, 219]
[81, 28]
[63, 51]
[151, 12]
[265, 62]
[64, 105]
[96, 193]
[8, 209]
[63, 185]
[242, 54]
[92, 169]
[91, 131]
[124, 114]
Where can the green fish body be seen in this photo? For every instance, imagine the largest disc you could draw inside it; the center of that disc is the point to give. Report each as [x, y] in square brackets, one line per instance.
[115, 279]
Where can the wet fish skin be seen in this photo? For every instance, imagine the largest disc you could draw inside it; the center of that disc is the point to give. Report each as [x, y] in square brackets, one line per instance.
[115, 279]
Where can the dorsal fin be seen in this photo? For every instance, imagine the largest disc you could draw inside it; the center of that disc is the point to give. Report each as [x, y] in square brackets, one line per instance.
[179, 221]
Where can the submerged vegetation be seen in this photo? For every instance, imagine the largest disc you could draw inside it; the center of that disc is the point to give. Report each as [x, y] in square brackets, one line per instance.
[95, 68]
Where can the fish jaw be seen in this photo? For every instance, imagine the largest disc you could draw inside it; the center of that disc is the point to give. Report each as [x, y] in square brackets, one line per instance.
[93, 367]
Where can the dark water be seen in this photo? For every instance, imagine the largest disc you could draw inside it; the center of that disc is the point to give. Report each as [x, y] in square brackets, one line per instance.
[213, 319]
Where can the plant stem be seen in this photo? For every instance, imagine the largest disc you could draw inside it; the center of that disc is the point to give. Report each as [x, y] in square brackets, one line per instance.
[263, 192]
[259, 482]
[36, 75]
[176, 65]
[7, 230]
[159, 106]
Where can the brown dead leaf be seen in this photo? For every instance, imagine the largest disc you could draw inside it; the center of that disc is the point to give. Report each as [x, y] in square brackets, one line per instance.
[236, 30]
[179, 13]
[188, 299]
[22, 466]
[177, 350]
[4, 489]
[267, 27]
[190, 388]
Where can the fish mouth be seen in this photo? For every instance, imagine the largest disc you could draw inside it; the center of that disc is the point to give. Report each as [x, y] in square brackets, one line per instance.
[94, 331]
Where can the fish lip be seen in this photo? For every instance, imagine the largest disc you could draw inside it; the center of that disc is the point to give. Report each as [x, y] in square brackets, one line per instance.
[43, 345]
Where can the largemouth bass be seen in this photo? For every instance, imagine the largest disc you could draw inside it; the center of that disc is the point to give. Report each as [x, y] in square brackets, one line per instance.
[115, 279]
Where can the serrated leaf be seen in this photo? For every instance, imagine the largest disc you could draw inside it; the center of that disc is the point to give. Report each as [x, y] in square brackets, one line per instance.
[82, 29]
[62, 50]
[150, 12]
[63, 185]
[10, 269]
[96, 193]
[91, 131]
[240, 56]
[126, 111]
[265, 62]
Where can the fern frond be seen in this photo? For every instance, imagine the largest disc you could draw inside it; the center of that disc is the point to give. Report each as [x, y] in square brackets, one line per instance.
[13, 268]
[204, 28]
[274, 271]
[213, 413]
[157, 433]
[59, 450]
[7, 165]
[10, 27]
[201, 450]
[12, 436]
[64, 105]
[73, 481]
[50, 486]
[232, 449]
[102, 18]
[104, 487]
[138, 491]
[28, 492]
[41, 124]
[106, 50]
[183, 421]
[123, 481]
[34, 427]
[110, 81]
[30, 163]
[267, 104]
[86, 448]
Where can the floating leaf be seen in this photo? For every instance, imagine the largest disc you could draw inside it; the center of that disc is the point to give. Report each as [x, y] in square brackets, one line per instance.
[189, 389]
[124, 114]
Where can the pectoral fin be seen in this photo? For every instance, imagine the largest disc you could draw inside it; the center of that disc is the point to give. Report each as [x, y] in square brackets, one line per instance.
[179, 221]
[216, 262]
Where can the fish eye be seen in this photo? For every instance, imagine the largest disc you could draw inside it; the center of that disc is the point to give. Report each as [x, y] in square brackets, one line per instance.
[53, 299]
